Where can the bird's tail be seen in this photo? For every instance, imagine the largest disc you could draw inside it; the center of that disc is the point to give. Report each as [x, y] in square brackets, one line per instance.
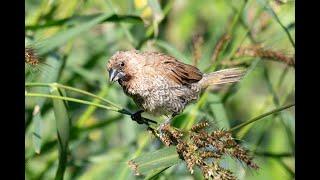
[222, 77]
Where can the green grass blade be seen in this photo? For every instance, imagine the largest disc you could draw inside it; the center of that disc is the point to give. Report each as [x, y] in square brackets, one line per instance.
[36, 135]
[162, 158]
[155, 173]
[91, 109]
[49, 75]
[219, 111]
[63, 37]
[261, 117]
[77, 101]
[74, 90]
[63, 124]
[123, 26]
[123, 170]
[74, 20]
[270, 10]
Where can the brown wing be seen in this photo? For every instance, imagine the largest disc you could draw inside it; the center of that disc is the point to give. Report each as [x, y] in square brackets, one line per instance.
[179, 72]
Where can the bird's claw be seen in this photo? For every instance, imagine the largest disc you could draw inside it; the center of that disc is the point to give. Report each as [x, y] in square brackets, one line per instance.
[137, 117]
[141, 120]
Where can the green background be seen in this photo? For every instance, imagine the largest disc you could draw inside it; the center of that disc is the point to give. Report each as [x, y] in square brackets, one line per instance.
[75, 38]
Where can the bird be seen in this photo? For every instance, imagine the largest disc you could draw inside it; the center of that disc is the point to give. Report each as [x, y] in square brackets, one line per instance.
[160, 84]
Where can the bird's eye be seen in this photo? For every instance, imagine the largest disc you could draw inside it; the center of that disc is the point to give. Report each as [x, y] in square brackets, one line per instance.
[122, 64]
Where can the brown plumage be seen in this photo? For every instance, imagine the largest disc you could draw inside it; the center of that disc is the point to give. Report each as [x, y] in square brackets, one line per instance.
[160, 84]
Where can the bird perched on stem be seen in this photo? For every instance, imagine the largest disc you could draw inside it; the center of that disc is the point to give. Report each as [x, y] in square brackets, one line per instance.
[160, 84]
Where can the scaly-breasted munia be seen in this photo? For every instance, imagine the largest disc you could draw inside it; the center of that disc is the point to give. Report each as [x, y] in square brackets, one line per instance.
[160, 84]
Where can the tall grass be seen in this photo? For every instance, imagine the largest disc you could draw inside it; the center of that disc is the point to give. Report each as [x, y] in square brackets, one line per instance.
[78, 126]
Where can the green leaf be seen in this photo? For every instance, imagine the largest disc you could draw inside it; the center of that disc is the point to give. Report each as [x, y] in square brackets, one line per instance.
[48, 74]
[63, 124]
[153, 161]
[219, 112]
[36, 135]
[103, 164]
[87, 75]
[62, 37]
[74, 20]
[91, 109]
[155, 173]
[123, 171]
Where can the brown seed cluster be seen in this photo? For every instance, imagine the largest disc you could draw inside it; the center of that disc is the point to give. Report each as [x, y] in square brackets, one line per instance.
[219, 47]
[200, 148]
[170, 136]
[134, 166]
[200, 126]
[258, 51]
[31, 57]
[197, 42]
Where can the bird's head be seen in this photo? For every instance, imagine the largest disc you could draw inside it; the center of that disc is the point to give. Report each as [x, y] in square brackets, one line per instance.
[121, 66]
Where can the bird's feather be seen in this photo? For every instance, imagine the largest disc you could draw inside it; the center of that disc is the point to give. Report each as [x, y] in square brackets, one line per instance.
[179, 72]
[222, 77]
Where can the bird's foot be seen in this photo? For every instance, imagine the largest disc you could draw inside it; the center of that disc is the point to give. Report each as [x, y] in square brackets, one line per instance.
[137, 117]
[141, 120]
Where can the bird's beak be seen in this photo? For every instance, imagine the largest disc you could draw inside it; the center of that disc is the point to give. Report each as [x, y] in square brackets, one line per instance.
[115, 75]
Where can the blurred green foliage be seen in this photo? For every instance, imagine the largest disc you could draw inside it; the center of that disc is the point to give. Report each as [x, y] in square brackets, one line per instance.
[74, 40]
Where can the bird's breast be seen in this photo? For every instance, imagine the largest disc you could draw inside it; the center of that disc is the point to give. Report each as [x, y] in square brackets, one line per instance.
[159, 96]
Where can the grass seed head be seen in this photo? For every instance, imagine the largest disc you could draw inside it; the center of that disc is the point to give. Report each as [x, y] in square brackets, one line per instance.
[203, 149]
[31, 57]
[258, 51]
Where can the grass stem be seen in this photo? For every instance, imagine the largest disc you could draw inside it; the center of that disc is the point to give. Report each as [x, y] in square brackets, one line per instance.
[261, 117]
[78, 101]
[75, 90]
